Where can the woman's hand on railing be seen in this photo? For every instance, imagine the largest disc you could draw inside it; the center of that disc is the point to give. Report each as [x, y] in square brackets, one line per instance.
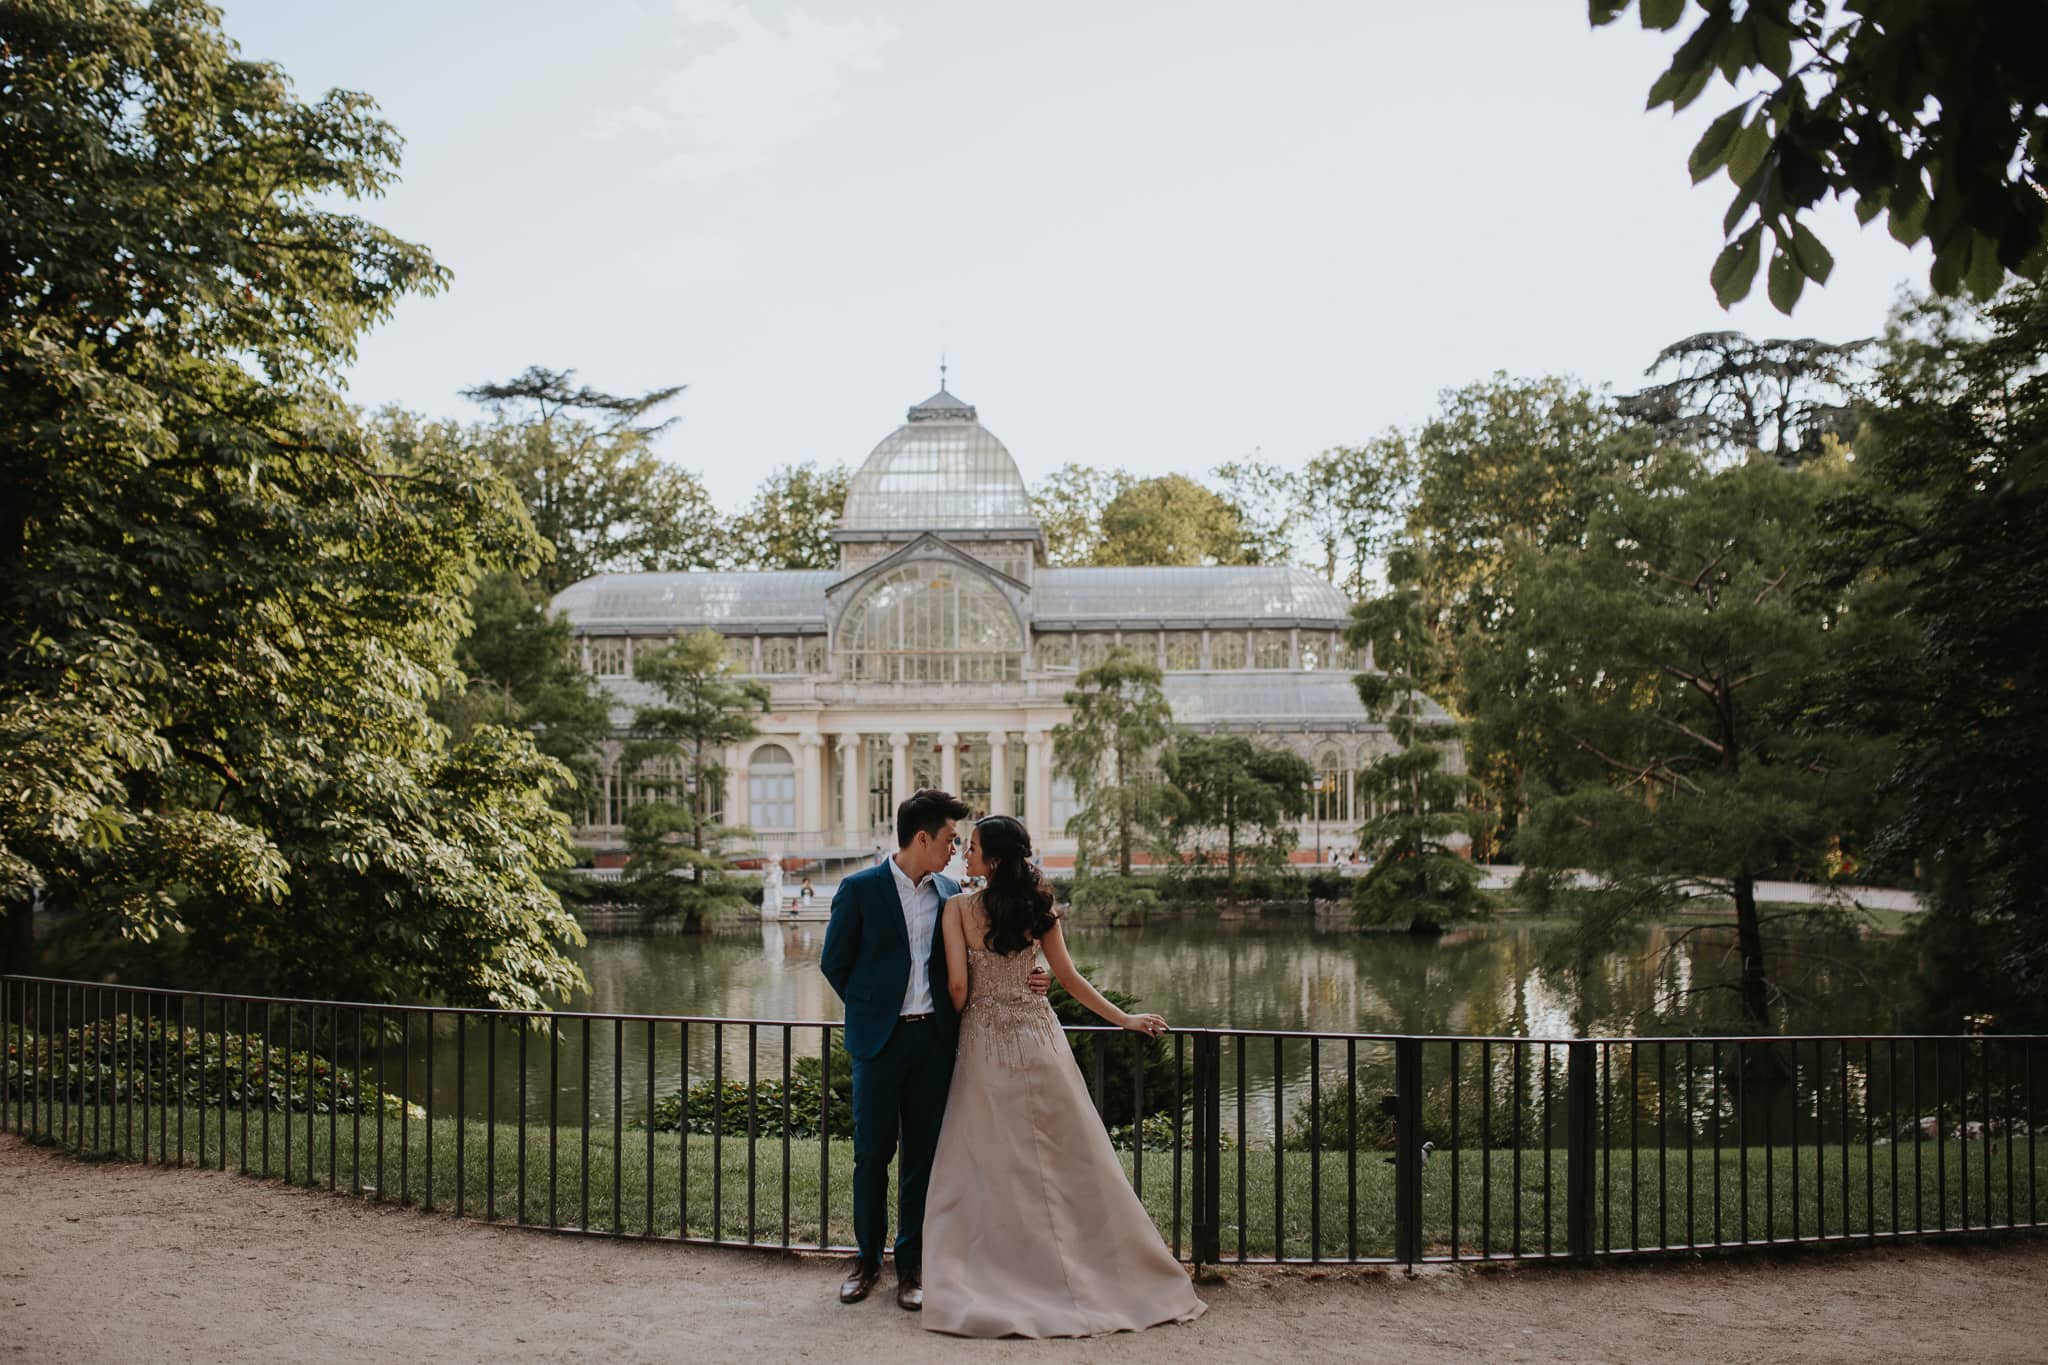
[1151, 1025]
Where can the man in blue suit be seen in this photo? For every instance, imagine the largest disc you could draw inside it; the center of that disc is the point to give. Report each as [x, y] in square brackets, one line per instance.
[884, 957]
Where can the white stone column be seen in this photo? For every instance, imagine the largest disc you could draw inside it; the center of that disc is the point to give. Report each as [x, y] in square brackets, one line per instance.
[949, 761]
[899, 759]
[1038, 785]
[735, 779]
[852, 812]
[810, 794]
[998, 773]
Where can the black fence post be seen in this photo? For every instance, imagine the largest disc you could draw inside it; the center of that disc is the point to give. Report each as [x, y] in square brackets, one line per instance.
[1408, 1153]
[1207, 1156]
[1581, 1147]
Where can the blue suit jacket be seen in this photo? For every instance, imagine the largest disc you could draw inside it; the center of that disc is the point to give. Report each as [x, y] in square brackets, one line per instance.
[867, 960]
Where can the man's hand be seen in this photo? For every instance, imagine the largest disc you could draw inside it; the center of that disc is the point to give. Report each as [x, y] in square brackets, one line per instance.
[1040, 981]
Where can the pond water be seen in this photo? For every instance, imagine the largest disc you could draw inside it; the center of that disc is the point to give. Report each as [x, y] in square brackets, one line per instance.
[1511, 978]
[1283, 973]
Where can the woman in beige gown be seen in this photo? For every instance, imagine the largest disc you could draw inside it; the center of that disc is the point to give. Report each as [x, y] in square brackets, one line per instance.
[1031, 1228]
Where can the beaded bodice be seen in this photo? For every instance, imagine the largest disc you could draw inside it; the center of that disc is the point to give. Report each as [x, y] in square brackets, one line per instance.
[1003, 1016]
[998, 978]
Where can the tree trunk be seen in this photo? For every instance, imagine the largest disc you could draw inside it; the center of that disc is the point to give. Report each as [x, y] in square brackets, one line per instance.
[699, 803]
[1123, 818]
[17, 928]
[1230, 836]
[1756, 998]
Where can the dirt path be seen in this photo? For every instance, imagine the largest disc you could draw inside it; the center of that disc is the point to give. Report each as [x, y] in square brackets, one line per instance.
[114, 1262]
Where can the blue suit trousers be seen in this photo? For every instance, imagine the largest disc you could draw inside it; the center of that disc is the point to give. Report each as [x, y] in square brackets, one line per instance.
[902, 1089]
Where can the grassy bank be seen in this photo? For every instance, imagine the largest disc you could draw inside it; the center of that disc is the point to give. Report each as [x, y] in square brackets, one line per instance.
[1648, 1197]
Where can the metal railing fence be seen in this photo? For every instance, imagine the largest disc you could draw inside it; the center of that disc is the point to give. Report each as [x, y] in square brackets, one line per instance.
[1244, 1145]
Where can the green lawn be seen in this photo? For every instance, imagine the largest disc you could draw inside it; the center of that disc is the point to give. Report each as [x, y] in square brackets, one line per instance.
[1830, 1193]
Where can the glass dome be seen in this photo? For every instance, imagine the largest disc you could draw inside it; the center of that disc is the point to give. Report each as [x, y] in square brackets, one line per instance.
[940, 471]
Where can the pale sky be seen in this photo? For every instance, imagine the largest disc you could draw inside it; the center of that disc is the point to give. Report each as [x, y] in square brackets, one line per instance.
[1151, 236]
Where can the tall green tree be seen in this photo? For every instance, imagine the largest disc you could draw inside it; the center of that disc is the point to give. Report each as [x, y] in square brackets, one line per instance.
[1945, 518]
[1727, 393]
[1671, 662]
[1170, 519]
[1267, 501]
[540, 395]
[1418, 877]
[1109, 749]
[519, 670]
[1503, 465]
[788, 524]
[584, 464]
[603, 499]
[516, 658]
[1935, 116]
[1253, 795]
[678, 866]
[225, 610]
[1506, 464]
[1354, 500]
[1069, 506]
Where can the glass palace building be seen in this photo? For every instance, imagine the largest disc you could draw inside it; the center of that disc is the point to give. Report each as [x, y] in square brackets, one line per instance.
[937, 654]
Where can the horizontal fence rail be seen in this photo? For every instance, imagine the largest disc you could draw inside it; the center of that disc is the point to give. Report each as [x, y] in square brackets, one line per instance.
[1244, 1145]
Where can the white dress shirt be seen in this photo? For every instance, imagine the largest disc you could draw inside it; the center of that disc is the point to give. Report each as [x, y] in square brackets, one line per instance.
[920, 921]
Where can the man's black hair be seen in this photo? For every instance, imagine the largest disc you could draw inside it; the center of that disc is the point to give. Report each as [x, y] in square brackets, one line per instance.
[926, 812]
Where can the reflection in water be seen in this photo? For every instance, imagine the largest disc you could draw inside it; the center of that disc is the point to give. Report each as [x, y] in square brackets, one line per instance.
[1283, 974]
[1502, 979]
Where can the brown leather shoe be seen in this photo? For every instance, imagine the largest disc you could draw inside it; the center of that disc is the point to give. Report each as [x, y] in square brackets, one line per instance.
[859, 1282]
[910, 1292]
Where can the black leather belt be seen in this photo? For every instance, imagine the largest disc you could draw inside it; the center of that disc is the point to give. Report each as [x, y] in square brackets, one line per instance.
[912, 1018]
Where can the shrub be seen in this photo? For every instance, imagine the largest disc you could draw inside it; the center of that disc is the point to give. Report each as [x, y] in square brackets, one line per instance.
[1424, 894]
[1156, 1132]
[1117, 902]
[91, 1065]
[1123, 1055]
[722, 1109]
[708, 1109]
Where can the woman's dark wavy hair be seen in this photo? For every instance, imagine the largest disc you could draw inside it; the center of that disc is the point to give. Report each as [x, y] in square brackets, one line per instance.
[1017, 902]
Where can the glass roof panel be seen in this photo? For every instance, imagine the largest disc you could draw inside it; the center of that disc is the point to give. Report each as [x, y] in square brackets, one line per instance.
[1236, 593]
[1270, 698]
[698, 598]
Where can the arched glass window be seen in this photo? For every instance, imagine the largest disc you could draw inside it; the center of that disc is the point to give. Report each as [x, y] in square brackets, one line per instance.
[771, 788]
[931, 622]
[1090, 650]
[1329, 799]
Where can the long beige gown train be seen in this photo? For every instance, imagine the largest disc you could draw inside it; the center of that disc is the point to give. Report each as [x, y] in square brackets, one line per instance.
[1030, 1226]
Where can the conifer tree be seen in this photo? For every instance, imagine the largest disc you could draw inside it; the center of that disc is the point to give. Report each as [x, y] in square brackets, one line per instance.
[679, 867]
[1418, 876]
